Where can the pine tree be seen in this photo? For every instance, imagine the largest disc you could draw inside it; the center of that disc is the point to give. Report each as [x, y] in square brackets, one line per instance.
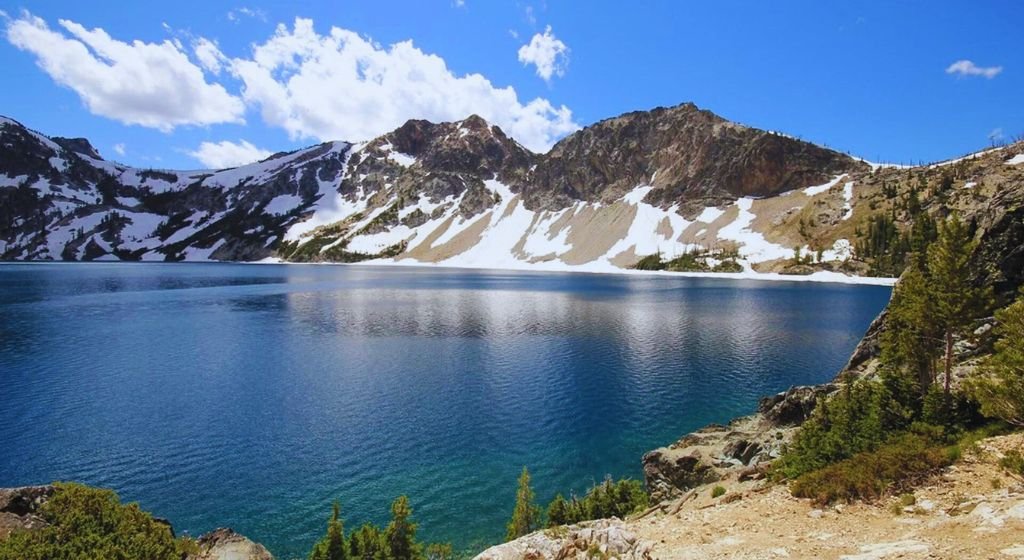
[558, 512]
[956, 302]
[366, 543]
[910, 341]
[526, 515]
[400, 535]
[1000, 387]
[332, 546]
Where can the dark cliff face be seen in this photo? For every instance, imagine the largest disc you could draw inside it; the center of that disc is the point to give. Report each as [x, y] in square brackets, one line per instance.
[438, 161]
[688, 154]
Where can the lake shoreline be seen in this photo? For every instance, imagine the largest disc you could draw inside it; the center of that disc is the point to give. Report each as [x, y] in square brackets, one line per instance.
[820, 277]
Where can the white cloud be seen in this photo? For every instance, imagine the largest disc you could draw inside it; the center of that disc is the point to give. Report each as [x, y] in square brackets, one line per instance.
[208, 54]
[459, 3]
[343, 86]
[119, 149]
[996, 135]
[148, 84]
[548, 53]
[237, 14]
[513, 33]
[965, 68]
[218, 155]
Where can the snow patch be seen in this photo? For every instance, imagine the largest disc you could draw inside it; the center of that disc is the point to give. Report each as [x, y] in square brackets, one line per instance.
[710, 214]
[1016, 160]
[848, 198]
[283, 204]
[818, 189]
[404, 160]
[754, 247]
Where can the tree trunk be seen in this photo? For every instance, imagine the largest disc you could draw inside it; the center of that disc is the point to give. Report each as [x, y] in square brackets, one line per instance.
[949, 357]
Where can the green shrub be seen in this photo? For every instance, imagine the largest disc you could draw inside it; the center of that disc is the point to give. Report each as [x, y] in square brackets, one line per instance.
[857, 418]
[869, 475]
[1013, 462]
[650, 262]
[717, 491]
[87, 523]
[952, 410]
[728, 265]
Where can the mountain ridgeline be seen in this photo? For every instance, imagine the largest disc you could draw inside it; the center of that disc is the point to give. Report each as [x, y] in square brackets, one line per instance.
[62, 201]
[679, 183]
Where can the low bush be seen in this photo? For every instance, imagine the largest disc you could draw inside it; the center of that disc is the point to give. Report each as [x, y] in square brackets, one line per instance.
[86, 523]
[717, 491]
[1013, 462]
[895, 465]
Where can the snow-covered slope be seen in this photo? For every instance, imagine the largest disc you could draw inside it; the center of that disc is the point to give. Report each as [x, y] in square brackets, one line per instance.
[463, 194]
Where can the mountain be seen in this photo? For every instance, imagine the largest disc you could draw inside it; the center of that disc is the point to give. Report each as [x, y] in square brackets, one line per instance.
[680, 182]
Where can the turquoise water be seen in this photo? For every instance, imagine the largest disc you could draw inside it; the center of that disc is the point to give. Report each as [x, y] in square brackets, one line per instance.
[253, 396]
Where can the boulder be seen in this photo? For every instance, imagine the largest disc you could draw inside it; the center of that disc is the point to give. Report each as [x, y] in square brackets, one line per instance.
[226, 544]
[19, 507]
[742, 450]
[603, 538]
[792, 407]
[668, 471]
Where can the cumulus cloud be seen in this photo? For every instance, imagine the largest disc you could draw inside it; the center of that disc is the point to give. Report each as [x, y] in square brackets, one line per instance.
[548, 53]
[149, 84]
[119, 149]
[218, 155]
[964, 68]
[343, 86]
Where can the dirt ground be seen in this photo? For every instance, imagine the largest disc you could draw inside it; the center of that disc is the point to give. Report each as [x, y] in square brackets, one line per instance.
[972, 510]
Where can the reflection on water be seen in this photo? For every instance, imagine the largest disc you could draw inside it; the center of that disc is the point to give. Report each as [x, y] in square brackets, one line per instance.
[253, 396]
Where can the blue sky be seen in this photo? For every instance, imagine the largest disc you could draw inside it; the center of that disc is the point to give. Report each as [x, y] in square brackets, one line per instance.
[190, 84]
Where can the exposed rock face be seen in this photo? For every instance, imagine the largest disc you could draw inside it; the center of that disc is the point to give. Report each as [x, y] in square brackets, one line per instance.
[792, 407]
[686, 153]
[225, 544]
[18, 508]
[60, 200]
[604, 538]
[740, 449]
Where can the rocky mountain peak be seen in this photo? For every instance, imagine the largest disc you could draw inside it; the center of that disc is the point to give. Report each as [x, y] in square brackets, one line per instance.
[690, 155]
[471, 145]
[79, 146]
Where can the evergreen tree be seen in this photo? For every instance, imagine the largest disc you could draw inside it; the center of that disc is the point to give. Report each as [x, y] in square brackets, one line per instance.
[526, 515]
[400, 535]
[910, 342]
[332, 546]
[558, 512]
[956, 302]
[1000, 388]
[366, 543]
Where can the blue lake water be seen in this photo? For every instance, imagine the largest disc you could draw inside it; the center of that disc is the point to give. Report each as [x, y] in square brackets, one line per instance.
[253, 396]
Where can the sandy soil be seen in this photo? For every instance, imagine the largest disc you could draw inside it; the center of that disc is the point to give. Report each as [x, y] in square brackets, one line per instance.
[972, 510]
